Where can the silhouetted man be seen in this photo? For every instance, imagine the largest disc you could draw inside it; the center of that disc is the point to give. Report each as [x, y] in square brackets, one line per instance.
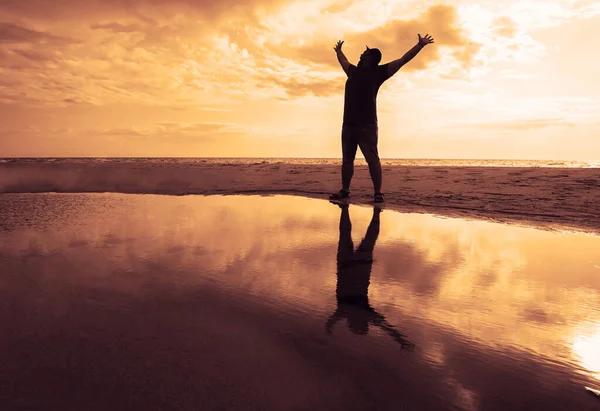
[353, 278]
[360, 127]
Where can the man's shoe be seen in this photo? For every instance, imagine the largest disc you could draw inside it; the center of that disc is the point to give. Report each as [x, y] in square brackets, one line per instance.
[340, 195]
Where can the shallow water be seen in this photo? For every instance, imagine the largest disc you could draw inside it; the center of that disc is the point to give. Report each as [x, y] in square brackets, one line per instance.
[144, 302]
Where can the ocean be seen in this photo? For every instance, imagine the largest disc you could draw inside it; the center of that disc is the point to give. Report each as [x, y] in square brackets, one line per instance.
[309, 161]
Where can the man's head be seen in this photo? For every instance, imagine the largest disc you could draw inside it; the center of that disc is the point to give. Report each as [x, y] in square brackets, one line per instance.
[370, 58]
[358, 324]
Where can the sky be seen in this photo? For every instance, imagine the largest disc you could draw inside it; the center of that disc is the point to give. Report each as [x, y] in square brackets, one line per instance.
[505, 79]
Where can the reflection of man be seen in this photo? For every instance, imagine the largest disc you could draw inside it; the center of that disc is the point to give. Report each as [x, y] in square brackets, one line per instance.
[353, 278]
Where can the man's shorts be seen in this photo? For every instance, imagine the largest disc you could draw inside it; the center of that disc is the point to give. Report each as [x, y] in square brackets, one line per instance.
[364, 137]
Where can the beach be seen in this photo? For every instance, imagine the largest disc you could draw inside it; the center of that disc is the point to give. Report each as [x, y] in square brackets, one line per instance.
[546, 197]
[176, 234]
[152, 302]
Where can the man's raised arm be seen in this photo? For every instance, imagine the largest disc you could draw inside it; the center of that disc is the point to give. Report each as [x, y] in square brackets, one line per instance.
[341, 57]
[394, 66]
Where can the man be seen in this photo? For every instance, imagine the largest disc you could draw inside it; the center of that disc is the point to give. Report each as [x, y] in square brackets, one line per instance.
[360, 127]
[353, 279]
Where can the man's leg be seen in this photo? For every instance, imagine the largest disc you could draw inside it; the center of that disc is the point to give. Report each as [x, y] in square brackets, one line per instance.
[349, 147]
[368, 243]
[368, 145]
[345, 251]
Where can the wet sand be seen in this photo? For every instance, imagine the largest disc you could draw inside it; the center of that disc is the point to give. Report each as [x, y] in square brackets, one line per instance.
[550, 198]
[128, 302]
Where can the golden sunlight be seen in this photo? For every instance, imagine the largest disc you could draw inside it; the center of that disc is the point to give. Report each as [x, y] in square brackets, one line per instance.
[81, 81]
[586, 347]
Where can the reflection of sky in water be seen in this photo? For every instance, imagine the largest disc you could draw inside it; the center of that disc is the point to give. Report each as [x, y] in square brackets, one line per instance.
[490, 285]
[586, 346]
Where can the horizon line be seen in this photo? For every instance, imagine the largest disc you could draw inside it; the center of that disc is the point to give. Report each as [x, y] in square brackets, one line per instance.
[296, 158]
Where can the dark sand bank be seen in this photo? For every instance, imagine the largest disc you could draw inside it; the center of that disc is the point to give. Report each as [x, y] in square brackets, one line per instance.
[551, 198]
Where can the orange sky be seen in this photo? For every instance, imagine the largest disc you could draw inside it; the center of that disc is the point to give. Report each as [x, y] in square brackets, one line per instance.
[504, 79]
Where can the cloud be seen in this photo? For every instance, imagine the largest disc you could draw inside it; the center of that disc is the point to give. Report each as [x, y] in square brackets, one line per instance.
[13, 34]
[338, 6]
[396, 37]
[184, 132]
[142, 9]
[299, 88]
[523, 125]
[115, 27]
[72, 101]
[504, 26]
[34, 55]
[155, 52]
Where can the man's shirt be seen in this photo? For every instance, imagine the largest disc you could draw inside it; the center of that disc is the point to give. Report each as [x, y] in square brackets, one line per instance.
[360, 100]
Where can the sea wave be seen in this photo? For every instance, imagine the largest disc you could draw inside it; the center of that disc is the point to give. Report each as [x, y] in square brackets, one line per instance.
[419, 162]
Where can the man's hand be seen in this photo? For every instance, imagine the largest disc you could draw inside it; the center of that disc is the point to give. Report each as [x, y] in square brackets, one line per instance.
[394, 66]
[423, 41]
[341, 58]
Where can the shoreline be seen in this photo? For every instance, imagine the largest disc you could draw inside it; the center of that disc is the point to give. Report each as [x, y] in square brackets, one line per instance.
[546, 198]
